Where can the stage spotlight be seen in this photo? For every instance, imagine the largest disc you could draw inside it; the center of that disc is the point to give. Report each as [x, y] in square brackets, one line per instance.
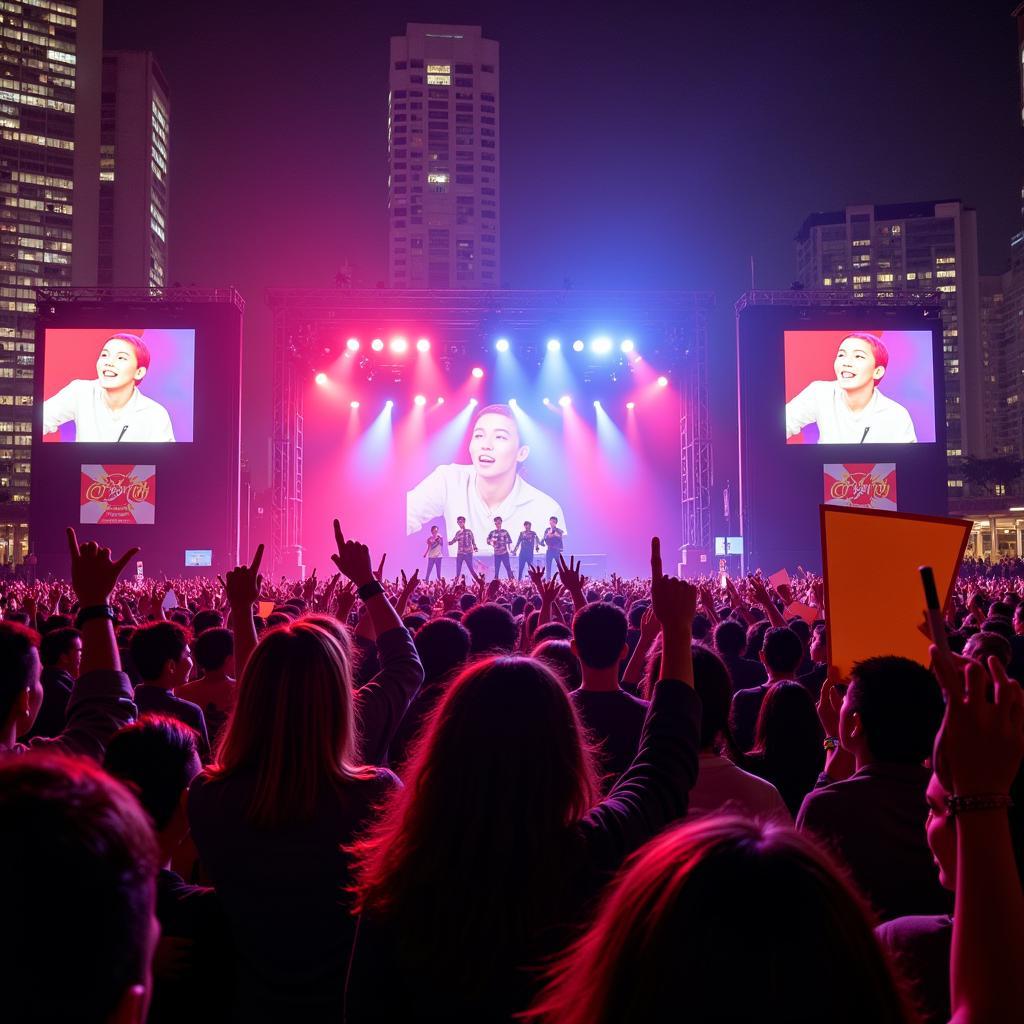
[353, 405]
[663, 382]
[631, 405]
[440, 400]
[554, 344]
[565, 401]
[578, 346]
[399, 345]
[420, 399]
[473, 402]
[423, 345]
[601, 346]
[547, 401]
[321, 379]
[501, 344]
[477, 372]
[377, 345]
[352, 344]
[513, 404]
[627, 346]
[597, 403]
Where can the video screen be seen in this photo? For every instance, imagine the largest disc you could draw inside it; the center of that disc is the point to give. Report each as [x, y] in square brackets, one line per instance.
[117, 495]
[859, 387]
[598, 478]
[122, 384]
[199, 556]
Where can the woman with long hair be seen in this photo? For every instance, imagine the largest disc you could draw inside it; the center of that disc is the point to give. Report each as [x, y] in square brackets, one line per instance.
[292, 783]
[788, 739]
[726, 919]
[479, 867]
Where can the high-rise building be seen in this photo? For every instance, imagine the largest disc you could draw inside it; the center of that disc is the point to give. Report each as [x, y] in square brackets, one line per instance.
[443, 159]
[876, 252]
[134, 154]
[50, 61]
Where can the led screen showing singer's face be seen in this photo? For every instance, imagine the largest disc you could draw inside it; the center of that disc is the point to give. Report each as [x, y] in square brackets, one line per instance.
[118, 385]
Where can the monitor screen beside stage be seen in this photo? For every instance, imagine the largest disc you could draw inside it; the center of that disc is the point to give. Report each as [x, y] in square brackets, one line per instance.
[117, 384]
[838, 405]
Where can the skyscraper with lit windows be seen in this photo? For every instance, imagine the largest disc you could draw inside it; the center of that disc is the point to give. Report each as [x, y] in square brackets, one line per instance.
[50, 60]
[875, 252]
[134, 164]
[443, 159]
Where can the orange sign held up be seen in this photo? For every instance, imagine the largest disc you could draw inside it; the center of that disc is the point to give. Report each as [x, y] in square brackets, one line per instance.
[873, 595]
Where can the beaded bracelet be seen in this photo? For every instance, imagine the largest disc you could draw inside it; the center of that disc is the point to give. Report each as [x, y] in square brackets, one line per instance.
[981, 802]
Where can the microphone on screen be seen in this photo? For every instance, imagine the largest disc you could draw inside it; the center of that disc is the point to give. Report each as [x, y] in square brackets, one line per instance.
[123, 430]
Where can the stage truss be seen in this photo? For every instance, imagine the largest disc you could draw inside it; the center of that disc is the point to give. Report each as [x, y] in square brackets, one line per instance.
[466, 323]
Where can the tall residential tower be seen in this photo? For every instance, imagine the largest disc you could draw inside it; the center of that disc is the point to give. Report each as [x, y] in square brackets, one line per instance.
[443, 159]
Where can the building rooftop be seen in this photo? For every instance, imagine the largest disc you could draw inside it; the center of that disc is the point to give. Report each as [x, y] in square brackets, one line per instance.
[887, 211]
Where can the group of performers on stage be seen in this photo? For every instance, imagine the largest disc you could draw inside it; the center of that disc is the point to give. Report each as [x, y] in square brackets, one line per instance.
[500, 541]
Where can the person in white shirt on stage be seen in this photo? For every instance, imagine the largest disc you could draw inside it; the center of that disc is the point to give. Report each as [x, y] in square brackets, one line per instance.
[490, 486]
[851, 409]
[111, 408]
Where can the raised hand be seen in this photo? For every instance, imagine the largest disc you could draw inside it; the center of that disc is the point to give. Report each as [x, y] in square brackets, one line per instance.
[93, 573]
[674, 600]
[353, 559]
[346, 599]
[379, 574]
[409, 586]
[650, 627]
[537, 579]
[243, 583]
[309, 587]
[830, 701]
[980, 745]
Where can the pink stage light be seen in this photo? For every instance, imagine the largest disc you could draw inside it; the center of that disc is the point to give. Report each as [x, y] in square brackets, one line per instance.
[440, 400]
[423, 345]
[663, 382]
[477, 372]
[399, 346]
[565, 401]
[321, 379]
[420, 399]
[353, 405]
[631, 405]
[377, 345]
[352, 344]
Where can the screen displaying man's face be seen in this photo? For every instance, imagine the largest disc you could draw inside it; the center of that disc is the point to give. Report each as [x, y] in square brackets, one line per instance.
[494, 446]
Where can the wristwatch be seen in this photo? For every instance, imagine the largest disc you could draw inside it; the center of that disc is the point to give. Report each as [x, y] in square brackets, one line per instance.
[96, 611]
[371, 589]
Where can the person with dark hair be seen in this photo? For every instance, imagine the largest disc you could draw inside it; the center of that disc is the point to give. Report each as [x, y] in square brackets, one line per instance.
[550, 631]
[726, 919]
[157, 758]
[723, 786]
[491, 485]
[443, 647]
[787, 747]
[298, 775]
[101, 698]
[730, 639]
[781, 654]
[491, 628]
[466, 548]
[526, 544]
[499, 540]
[813, 679]
[434, 552]
[206, 618]
[483, 864]
[214, 692]
[559, 657]
[869, 805]
[79, 862]
[161, 655]
[111, 407]
[553, 541]
[985, 644]
[60, 654]
[613, 718]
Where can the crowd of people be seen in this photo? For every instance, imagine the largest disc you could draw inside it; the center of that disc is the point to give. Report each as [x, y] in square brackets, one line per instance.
[376, 798]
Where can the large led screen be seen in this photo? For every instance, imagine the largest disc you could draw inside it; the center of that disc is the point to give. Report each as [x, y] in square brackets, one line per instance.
[118, 385]
[859, 387]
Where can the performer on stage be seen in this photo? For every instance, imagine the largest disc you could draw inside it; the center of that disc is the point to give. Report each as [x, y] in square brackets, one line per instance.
[435, 548]
[553, 541]
[500, 540]
[467, 546]
[525, 545]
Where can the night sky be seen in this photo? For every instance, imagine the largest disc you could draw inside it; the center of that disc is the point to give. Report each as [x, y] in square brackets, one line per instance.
[644, 145]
